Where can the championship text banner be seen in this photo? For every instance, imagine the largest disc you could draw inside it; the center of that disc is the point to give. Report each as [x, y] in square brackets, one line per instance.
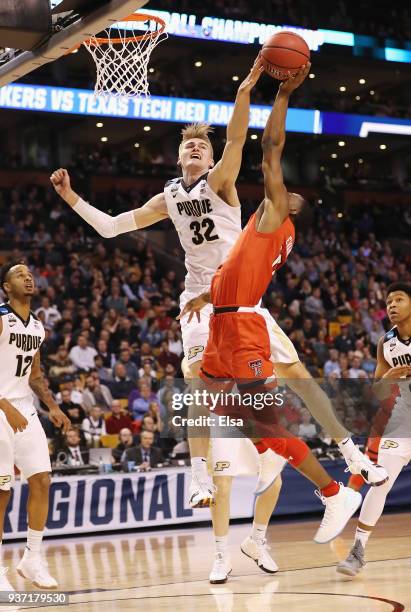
[181, 110]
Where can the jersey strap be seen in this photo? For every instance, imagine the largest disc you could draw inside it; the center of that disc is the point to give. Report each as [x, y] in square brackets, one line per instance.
[174, 181]
[393, 333]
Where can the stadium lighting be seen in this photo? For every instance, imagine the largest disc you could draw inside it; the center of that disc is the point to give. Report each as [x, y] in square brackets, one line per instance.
[104, 139]
[236, 78]
[346, 165]
[358, 98]
[146, 128]
[383, 147]
[340, 215]
[322, 168]
[361, 81]
[312, 75]
[136, 145]
[198, 64]
[343, 88]
[99, 124]
[341, 143]
[334, 155]
[372, 92]
[360, 160]
[151, 70]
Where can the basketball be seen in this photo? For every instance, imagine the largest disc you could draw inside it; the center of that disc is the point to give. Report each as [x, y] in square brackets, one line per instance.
[283, 54]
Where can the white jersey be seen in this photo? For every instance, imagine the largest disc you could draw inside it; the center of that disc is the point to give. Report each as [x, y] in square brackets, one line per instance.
[19, 342]
[397, 352]
[206, 225]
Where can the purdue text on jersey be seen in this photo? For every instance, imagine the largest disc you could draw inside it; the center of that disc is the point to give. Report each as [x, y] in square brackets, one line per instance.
[206, 225]
[19, 342]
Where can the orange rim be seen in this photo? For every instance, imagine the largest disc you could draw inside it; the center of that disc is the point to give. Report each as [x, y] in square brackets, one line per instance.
[137, 17]
[146, 35]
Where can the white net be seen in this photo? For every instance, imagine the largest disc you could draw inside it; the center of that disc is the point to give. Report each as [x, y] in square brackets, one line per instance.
[122, 55]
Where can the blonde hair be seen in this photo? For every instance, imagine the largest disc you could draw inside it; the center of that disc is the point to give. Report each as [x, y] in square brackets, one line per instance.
[197, 130]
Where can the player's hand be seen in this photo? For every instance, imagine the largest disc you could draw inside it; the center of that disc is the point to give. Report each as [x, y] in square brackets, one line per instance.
[60, 180]
[397, 372]
[295, 81]
[253, 76]
[194, 306]
[59, 419]
[14, 417]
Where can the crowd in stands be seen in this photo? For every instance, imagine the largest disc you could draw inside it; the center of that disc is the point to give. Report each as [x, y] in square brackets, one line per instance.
[113, 348]
[385, 20]
[378, 103]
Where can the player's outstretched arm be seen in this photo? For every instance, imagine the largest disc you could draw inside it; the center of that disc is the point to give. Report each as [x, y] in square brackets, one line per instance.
[225, 172]
[273, 141]
[154, 210]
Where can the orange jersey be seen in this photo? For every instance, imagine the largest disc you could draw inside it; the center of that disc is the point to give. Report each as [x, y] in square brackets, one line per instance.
[244, 277]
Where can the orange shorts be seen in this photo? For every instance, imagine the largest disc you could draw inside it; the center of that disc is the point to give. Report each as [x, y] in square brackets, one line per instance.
[238, 349]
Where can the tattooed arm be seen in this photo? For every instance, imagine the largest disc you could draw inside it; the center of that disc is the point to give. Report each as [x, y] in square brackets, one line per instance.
[39, 387]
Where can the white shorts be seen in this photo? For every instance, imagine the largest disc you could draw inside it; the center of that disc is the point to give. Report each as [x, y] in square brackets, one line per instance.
[237, 457]
[396, 446]
[27, 449]
[396, 439]
[195, 334]
[282, 349]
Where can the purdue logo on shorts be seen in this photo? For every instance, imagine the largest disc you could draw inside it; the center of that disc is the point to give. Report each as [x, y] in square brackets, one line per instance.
[194, 350]
[221, 465]
[256, 366]
[390, 444]
[4, 480]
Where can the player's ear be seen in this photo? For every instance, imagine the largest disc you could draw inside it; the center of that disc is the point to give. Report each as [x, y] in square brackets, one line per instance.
[211, 165]
[178, 162]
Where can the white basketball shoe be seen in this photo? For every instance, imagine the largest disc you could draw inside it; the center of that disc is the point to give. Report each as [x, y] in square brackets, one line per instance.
[373, 474]
[258, 551]
[221, 569]
[36, 571]
[339, 509]
[4, 581]
[201, 493]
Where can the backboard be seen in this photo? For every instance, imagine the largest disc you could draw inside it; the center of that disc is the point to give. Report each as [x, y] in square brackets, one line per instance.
[73, 22]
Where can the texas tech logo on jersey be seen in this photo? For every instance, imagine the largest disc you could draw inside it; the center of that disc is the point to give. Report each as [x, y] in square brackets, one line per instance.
[257, 366]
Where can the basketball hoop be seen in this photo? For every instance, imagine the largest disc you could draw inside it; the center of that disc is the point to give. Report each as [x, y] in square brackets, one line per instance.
[122, 55]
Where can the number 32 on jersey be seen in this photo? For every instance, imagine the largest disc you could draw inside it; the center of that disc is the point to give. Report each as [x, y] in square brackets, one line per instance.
[203, 231]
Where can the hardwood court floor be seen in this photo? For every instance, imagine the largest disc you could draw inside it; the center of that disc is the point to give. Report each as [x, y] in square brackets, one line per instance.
[168, 570]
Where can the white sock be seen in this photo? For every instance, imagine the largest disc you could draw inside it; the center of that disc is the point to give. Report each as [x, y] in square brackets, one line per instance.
[258, 532]
[33, 546]
[347, 447]
[221, 544]
[362, 535]
[199, 468]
